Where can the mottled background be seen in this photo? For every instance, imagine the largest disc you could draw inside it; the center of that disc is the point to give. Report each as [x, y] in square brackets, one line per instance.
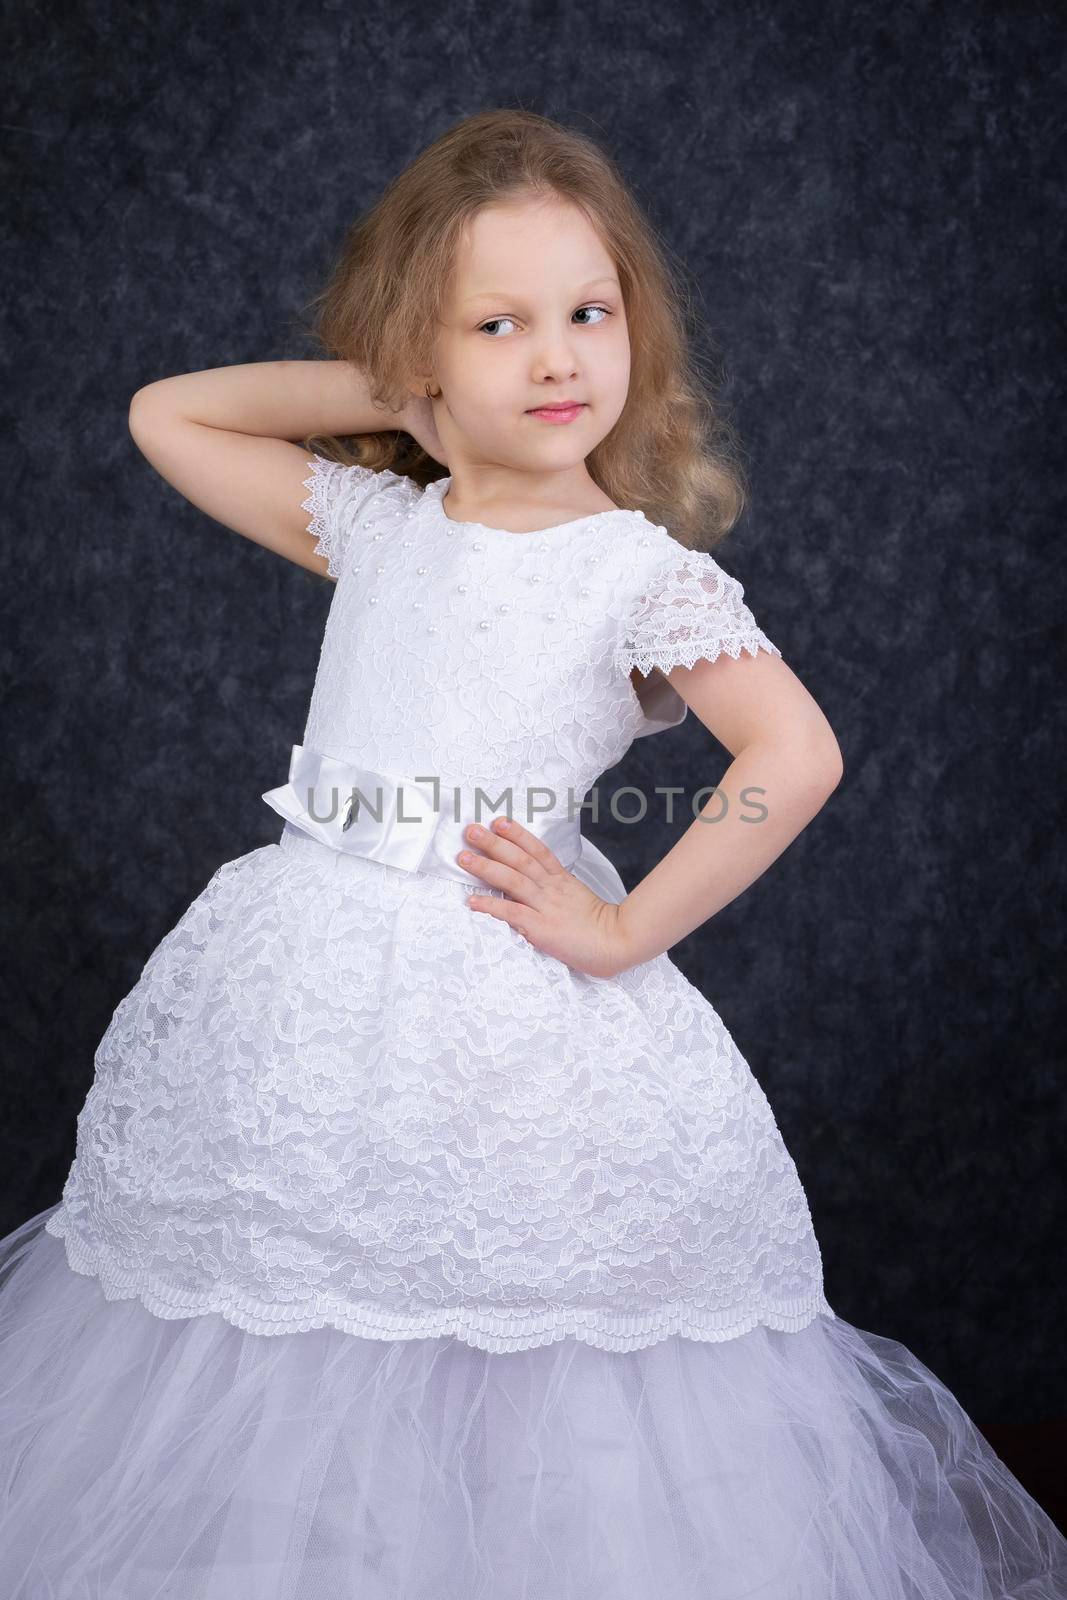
[867, 202]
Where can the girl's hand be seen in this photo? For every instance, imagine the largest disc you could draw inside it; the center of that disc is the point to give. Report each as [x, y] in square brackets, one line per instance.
[418, 420]
[552, 909]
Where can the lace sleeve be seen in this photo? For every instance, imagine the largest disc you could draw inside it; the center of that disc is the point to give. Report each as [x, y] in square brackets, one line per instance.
[336, 493]
[688, 610]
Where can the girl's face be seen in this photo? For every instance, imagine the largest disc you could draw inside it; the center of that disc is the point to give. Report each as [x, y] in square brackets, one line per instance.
[534, 316]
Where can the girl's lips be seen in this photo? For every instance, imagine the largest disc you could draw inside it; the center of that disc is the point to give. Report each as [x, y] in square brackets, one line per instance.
[557, 413]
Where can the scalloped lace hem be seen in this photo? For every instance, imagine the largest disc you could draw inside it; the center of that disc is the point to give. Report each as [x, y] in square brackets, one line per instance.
[320, 483]
[496, 1331]
[668, 656]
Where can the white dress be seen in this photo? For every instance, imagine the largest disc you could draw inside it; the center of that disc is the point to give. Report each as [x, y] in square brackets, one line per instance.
[399, 1260]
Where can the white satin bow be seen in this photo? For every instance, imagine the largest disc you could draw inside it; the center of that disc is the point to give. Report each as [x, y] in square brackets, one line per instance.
[406, 822]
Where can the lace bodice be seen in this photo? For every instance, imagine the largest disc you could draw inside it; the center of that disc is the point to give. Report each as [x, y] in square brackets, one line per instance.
[492, 657]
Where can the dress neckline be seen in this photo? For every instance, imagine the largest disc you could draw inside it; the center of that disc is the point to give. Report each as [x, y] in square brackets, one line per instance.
[437, 490]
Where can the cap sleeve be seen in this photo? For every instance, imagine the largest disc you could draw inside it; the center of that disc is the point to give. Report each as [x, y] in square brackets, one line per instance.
[688, 609]
[336, 495]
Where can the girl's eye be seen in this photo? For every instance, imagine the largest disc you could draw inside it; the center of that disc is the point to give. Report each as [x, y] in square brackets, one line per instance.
[495, 322]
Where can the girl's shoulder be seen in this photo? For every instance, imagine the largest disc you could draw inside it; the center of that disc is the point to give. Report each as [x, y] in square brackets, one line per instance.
[343, 496]
[681, 606]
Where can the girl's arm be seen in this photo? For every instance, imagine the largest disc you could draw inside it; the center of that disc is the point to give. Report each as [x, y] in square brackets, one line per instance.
[222, 438]
[785, 756]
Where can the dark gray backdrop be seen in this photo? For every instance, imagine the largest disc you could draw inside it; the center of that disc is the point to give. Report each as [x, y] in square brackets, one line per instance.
[866, 200]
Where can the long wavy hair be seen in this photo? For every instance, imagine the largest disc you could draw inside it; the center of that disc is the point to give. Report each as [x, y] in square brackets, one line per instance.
[672, 453]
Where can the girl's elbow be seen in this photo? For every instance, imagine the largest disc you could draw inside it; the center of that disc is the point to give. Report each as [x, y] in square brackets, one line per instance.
[829, 764]
[818, 757]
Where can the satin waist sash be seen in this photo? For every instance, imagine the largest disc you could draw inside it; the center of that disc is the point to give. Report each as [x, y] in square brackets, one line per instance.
[415, 823]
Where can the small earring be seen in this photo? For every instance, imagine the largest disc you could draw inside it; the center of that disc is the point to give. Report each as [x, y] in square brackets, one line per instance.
[430, 396]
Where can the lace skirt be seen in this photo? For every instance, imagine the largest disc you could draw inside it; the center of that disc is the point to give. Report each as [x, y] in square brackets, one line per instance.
[337, 1096]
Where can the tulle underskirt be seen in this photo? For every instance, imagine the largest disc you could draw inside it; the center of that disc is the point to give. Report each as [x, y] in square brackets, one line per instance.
[144, 1457]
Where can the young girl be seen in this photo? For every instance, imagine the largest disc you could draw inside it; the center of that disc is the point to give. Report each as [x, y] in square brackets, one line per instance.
[428, 1237]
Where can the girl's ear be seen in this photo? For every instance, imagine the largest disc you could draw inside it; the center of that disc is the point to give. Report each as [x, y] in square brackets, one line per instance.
[424, 388]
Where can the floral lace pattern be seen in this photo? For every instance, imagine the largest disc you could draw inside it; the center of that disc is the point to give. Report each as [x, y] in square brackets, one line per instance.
[349, 1100]
[336, 495]
[690, 610]
[480, 656]
[354, 1103]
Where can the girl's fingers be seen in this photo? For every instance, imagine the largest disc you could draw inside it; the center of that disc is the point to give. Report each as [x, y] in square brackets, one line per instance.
[504, 910]
[509, 842]
[520, 885]
[537, 848]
